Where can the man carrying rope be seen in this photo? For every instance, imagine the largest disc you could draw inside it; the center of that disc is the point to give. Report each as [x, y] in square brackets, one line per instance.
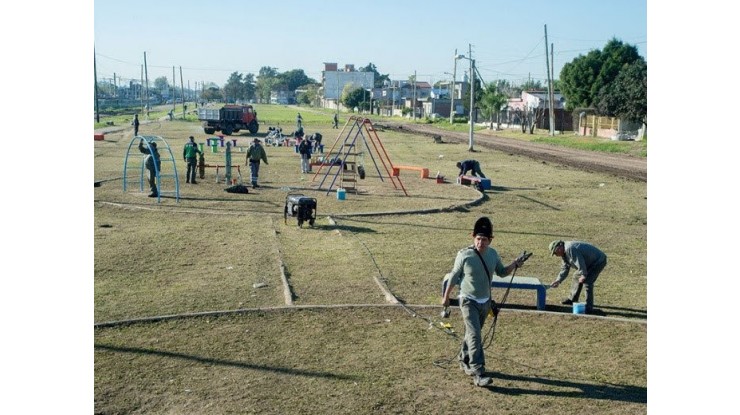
[471, 273]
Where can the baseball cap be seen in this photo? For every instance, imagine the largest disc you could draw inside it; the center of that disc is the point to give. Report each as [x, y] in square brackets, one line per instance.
[553, 246]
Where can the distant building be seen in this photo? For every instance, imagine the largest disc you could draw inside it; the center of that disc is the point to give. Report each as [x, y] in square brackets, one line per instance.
[333, 82]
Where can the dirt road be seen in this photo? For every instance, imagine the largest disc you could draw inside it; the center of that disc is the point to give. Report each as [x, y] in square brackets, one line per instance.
[620, 165]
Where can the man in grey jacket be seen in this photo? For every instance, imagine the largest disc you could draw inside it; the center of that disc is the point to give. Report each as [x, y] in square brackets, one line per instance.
[587, 259]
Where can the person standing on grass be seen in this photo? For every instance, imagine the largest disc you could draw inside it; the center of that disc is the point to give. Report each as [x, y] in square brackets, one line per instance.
[135, 123]
[472, 272]
[151, 160]
[305, 150]
[473, 166]
[335, 121]
[298, 121]
[190, 155]
[255, 153]
[587, 259]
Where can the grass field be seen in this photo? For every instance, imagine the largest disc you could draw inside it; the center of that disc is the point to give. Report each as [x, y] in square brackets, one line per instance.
[192, 315]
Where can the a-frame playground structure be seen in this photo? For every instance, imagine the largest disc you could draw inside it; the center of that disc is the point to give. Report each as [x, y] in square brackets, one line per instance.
[344, 162]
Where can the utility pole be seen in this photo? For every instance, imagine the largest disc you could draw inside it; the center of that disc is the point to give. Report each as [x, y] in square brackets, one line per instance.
[141, 89]
[182, 93]
[413, 105]
[146, 77]
[173, 89]
[549, 87]
[552, 90]
[95, 79]
[452, 96]
[472, 94]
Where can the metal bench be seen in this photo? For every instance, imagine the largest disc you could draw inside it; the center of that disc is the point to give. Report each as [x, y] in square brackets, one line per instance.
[523, 283]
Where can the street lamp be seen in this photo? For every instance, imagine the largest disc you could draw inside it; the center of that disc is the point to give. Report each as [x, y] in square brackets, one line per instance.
[451, 93]
[472, 97]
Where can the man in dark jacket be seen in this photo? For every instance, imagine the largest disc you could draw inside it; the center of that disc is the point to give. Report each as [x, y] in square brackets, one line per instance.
[305, 150]
[152, 163]
[470, 165]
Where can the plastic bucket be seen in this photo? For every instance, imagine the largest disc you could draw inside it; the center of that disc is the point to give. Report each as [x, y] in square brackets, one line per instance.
[341, 194]
[579, 308]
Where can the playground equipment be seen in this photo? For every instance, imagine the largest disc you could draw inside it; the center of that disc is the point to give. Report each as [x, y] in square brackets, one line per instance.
[134, 170]
[357, 138]
[300, 207]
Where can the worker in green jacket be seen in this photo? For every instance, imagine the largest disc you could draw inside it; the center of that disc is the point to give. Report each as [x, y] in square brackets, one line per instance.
[255, 153]
[190, 155]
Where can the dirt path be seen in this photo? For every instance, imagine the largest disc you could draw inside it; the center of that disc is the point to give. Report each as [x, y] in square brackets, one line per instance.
[620, 165]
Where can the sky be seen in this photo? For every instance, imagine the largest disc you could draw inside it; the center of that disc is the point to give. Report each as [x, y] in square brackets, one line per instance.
[211, 40]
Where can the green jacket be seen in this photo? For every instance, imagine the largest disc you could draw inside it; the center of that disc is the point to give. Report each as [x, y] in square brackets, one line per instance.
[256, 153]
[190, 151]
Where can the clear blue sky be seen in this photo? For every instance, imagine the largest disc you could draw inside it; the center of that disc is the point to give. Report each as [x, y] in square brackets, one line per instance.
[212, 39]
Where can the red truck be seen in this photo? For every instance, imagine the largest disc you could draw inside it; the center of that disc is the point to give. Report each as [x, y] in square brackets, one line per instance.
[229, 119]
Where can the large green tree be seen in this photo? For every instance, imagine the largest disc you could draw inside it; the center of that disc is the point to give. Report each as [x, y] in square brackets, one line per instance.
[293, 79]
[379, 79]
[626, 97]
[353, 96]
[586, 79]
[234, 89]
[266, 80]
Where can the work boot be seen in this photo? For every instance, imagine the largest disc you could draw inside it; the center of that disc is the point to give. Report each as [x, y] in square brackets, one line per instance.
[567, 301]
[187, 181]
[480, 380]
[153, 194]
[194, 182]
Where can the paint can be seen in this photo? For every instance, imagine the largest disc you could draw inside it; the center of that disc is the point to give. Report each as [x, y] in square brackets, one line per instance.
[579, 308]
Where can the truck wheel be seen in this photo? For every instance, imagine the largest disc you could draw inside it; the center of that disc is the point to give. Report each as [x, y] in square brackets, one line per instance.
[227, 130]
[254, 127]
[209, 130]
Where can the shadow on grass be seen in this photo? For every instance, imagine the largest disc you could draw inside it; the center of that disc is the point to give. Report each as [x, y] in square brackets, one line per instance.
[540, 203]
[347, 228]
[611, 392]
[463, 229]
[206, 360]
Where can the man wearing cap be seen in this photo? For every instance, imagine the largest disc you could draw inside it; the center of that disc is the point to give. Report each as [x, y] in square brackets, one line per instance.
[587, 259]
[472, 273]
[149, 162]
[255, 153]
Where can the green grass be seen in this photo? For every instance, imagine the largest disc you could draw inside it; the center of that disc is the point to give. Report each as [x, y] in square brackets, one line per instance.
[328, 354]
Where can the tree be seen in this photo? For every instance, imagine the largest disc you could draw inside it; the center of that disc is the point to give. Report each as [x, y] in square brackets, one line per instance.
[379, 79]
[626, 97]
[266, 80]
[587, 80]
[212, 93]
[161, 84]
[310, 95]
[294, 79]
[492, 100]
[234, 89]
[352, 97]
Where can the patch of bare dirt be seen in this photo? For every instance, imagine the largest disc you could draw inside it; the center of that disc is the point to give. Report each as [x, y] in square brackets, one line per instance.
[626, 166]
